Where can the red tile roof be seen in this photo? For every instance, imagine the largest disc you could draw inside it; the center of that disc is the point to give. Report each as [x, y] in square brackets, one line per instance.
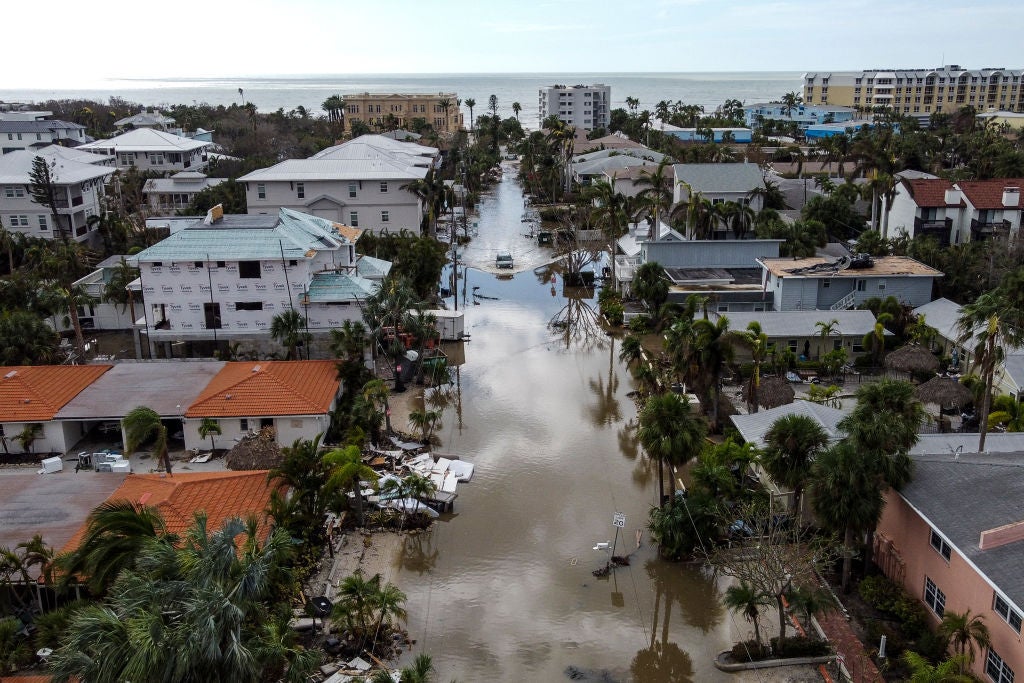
[928, 192]
[222, 495]
[988, 194]
[265, 388]
[34, 393]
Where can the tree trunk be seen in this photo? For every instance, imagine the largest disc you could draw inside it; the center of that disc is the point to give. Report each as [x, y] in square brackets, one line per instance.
[757, 630]
[986, 401]
[76, 325]
[782, 618]
[661, 482]
[869, 550]
[847, 559]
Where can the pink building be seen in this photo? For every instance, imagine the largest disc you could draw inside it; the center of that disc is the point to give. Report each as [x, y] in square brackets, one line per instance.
[954, 537]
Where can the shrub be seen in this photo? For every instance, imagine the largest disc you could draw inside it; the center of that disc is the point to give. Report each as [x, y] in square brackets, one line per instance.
[890, 598]
[641, 324]
[614, 313]
[801, 646]
[749, 651]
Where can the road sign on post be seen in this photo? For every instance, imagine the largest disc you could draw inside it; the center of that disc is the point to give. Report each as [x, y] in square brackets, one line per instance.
[619, 520]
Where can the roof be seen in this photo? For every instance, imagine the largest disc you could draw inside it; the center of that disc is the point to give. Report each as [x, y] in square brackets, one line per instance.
[35, 393]
[145, 118]
[332, 288]
[147, 140]
[251, 236]
[929, 193]
[803, 323]
[639, 151]
[988, 194]
[45, 126]
[366, 146]
[372, 268]
[942, 315]
[221, 495]
[16, 168]
[379, 168]
[166, 387]
[709, 178]
[610, 165]
[27, 503]
[191, 182]
[72, 154]
[945, 492]
[265, 388]
[754, 426]
[883, 266]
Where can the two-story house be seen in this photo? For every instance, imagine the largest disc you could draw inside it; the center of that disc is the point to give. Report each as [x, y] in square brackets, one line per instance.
[31, 134]
[226, 277]
[958, 212]
[719, 183]
[361, 183]
[823, 283]
[148, 149]
[79, 189]
[167, 195]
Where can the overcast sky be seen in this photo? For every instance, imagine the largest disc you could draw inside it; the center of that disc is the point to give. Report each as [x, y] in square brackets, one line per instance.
[61, 44]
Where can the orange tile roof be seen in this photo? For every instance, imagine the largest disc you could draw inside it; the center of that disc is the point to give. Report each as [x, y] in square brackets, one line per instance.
[222, 495]
[929, 192]
[34, 393]
[988, 194]
[264, 388]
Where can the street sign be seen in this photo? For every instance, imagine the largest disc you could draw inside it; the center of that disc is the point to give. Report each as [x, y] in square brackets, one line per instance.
[619, 520]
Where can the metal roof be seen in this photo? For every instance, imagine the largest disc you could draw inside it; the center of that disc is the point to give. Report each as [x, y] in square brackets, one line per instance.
[710, 178]
[329, 288]
[147, 140]
[372, 268]
[754, 426]
[191, 183]
[803, 323]
[249, 236]
[381, 168]
[941, 315]
[16, 168]
[145, 118]
[16, 126]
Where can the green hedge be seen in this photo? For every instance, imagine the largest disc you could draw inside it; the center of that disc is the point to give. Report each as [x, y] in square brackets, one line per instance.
[794, 646]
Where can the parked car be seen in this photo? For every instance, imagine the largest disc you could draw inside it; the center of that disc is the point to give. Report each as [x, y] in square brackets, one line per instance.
[503, 260]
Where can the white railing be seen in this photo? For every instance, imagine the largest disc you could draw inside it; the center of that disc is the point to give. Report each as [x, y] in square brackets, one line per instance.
[843, 304]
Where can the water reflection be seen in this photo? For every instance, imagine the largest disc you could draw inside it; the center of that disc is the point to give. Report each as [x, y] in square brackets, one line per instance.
[606, 410]
[577, 323]
[418, 553]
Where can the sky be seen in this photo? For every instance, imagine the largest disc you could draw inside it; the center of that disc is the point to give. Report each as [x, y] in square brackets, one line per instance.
[79, 44]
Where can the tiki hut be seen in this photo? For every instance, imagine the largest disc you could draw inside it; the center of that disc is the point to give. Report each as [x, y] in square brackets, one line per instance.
[257, 451]
[773, 392]
[944, 392]
[911, 359]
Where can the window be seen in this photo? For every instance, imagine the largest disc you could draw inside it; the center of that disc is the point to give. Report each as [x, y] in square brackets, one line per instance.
[385, 216]
[934, 598]
[383, 188]
[156, 159]
[300, 190]
[43, 225]
[881, 284]
[266, 422]
[862, 285]
[353, 219]
[249, 269]
[248, 305]
[221, 264]
[996, 668]
[14, 192]
[940, 546]
[244, 424]
[211, 314]
[826, 284]
[261, 191]
[723, 308]
[197, 264]
[352, 187]
[19, 221]
[792, 345]
[1009, 614]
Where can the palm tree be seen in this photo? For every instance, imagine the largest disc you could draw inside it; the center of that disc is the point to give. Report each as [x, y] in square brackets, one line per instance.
[492, 104]
[420, 671]
[1007, 412]
[115, 534]
[390, 605]
[792, 443]
[923, 671]
[516, 108]
[609, 214]
[347, 471]
[964, 631]
[656, 195]
[748, 601]
[28, 436]
[288, 329]
[355, 606]
[713, 347]
[757, 342]
[142, 424]
[376, 392]
[470, 102]
[446, 104]
[632, 349]
[791, 101]
[207, 428]
[62, 262]
[826, 330]
[426, 421]
[670, 433]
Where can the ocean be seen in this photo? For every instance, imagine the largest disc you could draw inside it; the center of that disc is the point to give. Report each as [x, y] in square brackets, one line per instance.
[270, 93]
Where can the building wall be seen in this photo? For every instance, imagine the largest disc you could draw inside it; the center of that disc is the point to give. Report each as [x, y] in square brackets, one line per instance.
[159, 161]
[55, 437]
[79, 202]
[372, 109]
[288, 428]
[795, 293]
[710, 253]
[333, 200]
[585, 107]
[910, 558]
[10, 142]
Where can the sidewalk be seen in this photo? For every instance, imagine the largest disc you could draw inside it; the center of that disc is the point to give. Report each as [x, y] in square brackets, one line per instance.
[856, 659]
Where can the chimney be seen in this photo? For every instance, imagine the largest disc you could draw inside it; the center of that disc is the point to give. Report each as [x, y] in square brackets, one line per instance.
[1001, 535]
[953, 196]
[1011, 197]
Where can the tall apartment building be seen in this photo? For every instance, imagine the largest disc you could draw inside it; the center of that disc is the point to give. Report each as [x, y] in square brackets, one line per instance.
[373, 108]
[919, 92]
[583, 106]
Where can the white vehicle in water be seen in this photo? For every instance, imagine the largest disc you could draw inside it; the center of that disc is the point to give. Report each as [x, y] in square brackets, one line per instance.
[503, 260]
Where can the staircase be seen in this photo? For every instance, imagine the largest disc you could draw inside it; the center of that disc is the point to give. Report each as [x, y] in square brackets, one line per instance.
[843, 304]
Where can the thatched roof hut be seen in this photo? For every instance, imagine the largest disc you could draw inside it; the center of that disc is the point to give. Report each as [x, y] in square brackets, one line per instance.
[773, 392]
[944, 391]
[912, 358]
[258, 451]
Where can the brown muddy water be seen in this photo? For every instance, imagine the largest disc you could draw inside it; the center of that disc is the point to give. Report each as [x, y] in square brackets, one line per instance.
[502, 589]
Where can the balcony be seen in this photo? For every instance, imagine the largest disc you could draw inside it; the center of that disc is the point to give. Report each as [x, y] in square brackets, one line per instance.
[62, 202]
[937, 228]
[984, 230]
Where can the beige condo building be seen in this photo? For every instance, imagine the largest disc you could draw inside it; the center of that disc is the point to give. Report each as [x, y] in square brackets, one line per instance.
[373, 109]
[918, 92]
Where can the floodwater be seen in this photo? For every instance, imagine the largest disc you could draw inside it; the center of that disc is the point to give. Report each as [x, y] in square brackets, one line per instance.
[502, 590]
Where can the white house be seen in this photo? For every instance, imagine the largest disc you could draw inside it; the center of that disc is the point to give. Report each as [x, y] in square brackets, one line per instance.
[958, 212]
[360, 183]
[101, 315]
[79, 191]
[719, 183]
[31, 134]
[167, 195]
[226, 277]
[149, 149]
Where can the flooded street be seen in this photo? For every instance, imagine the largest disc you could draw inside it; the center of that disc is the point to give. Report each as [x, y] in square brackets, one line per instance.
[502, 590]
